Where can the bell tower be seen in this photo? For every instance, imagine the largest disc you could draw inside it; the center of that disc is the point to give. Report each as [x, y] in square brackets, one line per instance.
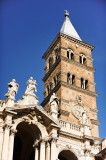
[69, 73]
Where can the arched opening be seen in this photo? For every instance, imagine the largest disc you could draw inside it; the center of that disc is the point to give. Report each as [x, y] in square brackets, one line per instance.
[50, 62]
[67, 155]
[24, 140]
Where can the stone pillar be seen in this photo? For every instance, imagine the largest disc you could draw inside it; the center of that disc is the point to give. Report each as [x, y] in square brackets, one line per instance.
[42, 150]
[48, 151]
[1, 140]
[53, 149]
[11, 144]
[36, 152]
[5, 142]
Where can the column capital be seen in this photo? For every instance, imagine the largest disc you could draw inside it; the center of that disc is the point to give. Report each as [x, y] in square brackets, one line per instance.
[13, 131]
[36, 144]
[54, 139]
[6, 126]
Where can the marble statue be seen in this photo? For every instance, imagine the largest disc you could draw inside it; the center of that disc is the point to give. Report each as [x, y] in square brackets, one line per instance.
[83, 117]
[12, 89]
[54, 102]
[31, 88]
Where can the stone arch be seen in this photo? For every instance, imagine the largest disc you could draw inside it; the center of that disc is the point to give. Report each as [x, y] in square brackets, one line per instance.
[26, 119]
[66, 153]
[29, 133]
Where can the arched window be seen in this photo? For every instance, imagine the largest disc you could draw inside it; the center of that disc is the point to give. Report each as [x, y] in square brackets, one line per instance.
[70, 78]
[48, 89]
[56, 79]
[82, 59]
[84, 83]
[70, 55]
[50, 62]
[57, 53]
[51, 86]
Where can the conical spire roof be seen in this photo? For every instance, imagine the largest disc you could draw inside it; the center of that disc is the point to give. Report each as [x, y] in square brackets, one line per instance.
[68, 29]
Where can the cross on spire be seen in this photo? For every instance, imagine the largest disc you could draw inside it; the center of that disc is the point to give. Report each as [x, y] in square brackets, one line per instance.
[66, 13]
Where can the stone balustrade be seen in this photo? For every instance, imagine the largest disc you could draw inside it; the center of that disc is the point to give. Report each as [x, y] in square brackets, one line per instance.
[70, 128]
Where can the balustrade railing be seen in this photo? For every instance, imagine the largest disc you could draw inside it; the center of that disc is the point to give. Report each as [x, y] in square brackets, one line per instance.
[70, 127]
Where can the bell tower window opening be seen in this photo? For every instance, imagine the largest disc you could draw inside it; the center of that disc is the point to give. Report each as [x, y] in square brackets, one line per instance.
[70, 55]
[50, 62]
[82, 59]
[51, 85]
[70, 78]
[56, 79]
[48, 89]
[84, 83]
[57, 53]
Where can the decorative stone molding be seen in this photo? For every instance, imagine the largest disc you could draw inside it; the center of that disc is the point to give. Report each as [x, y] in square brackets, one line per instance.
[76, 41]
[13, 131]
[63, 112]
[77, 64]
[51, 47]
[96, 122]
[7, 126]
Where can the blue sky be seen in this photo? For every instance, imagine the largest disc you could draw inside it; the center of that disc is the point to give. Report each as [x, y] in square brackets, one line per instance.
[27, 29]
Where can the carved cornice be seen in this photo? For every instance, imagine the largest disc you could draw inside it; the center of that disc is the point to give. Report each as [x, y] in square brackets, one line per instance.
[55, 89]
[77, 64]
[64, 100]
[51, 47]
[77, 41]
[93, 110]
[96, 122]
[79, 89]
[51, 69]
[63, 112]
[66, 134]
[58, 37]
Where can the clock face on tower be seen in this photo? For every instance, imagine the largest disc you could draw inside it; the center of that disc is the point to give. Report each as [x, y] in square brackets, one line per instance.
[77, 110]
[80, 113]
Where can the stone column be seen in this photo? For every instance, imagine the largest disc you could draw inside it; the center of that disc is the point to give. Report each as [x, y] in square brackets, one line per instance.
[11, 144]
[1, 139]
[42, 150]
[36, 152]
[48, 151]
[53, 149]
[5, 142]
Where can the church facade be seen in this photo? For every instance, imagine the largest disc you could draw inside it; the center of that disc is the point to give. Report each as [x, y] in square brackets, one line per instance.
[66, 127]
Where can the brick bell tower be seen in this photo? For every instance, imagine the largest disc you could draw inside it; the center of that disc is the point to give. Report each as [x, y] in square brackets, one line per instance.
[69, 73]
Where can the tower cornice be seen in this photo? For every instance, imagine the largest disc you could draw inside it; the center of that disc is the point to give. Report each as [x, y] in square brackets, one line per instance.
[78, 89]
[62, 35]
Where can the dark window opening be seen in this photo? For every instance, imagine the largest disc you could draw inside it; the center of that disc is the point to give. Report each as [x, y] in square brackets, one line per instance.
[50, 62]
[70, 78]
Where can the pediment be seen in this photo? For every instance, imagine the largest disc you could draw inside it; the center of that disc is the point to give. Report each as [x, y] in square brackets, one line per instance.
[33, 112]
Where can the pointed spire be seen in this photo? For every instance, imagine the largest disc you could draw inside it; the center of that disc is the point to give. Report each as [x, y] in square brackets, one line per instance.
[67, 27]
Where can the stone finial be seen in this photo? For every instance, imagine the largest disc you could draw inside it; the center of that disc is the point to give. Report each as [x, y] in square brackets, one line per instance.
[12, 89]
